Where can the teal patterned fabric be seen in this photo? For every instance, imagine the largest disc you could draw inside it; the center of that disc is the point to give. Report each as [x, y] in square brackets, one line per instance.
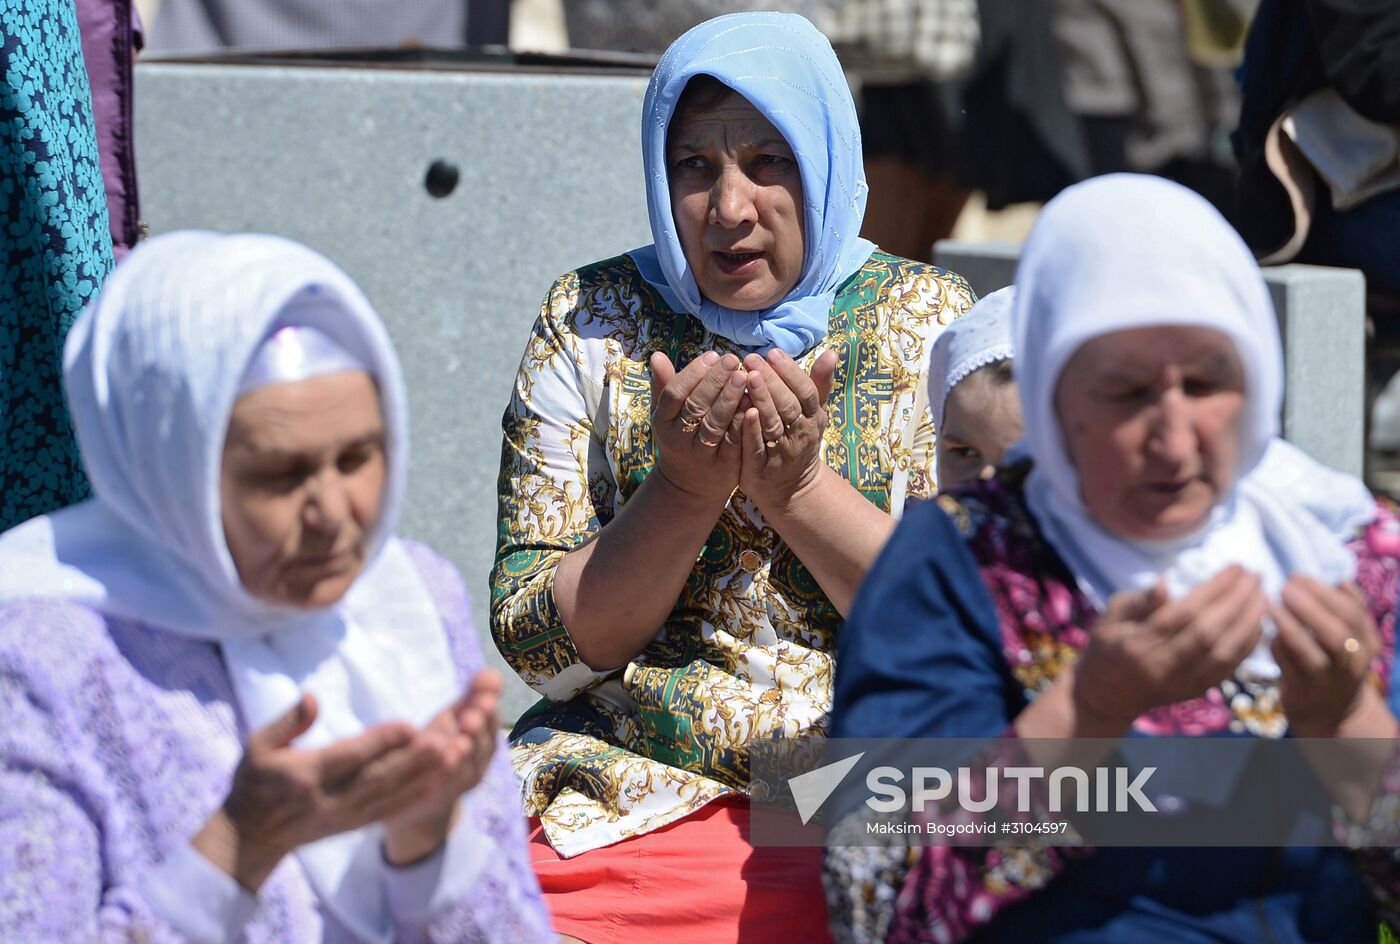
[55, 248]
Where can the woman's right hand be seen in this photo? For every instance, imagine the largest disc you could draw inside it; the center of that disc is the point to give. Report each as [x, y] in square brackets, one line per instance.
[691, 415]
[1145, 651]
[284, 797]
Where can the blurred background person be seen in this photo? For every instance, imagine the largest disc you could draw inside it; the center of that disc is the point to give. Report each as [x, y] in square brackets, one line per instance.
[649, 26]
[196, 27]
[909, 60]
[55, 248]
[1319, 151]
[1147, 98]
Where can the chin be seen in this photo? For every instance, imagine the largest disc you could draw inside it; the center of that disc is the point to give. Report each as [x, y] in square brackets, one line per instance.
[748, 297]
[319, 594]
[1171, 524]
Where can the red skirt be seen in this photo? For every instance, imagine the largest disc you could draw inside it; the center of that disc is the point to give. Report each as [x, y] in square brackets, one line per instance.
[697, 881]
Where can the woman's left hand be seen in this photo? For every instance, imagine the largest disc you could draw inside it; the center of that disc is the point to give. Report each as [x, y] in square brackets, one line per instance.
[782, 431]
[1324, 648]
[464, 735]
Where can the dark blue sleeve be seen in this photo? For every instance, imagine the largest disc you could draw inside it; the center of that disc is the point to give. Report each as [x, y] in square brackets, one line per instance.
[920, 654]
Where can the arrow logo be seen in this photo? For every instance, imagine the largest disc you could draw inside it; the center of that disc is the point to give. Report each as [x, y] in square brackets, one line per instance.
[810, 790]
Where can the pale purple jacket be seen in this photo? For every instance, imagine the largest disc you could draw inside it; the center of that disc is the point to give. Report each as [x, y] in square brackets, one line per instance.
[118, 740]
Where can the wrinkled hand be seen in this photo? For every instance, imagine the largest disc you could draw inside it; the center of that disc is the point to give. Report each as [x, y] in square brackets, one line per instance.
[283, 797]
[1324, 648]
[782, 430]
[691, 415]
[463, 738]
[1145, 651]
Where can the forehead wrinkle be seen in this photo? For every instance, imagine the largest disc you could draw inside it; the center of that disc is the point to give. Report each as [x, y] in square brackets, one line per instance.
[743, 125]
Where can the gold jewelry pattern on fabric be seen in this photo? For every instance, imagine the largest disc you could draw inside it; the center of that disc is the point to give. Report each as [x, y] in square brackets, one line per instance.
[747, 651]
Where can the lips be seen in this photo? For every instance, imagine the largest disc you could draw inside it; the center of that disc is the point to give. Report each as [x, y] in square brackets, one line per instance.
[1170, 488]
[734, 262]
[324, 560]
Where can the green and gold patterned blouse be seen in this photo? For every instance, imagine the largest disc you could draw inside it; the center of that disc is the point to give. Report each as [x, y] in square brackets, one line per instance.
[747, 651]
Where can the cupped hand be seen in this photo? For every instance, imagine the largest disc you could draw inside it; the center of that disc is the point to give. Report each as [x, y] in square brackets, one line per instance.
[1325, 644]
[283, 797]
[1145, 651]
[691, 415]
[782, 430]
[463, 739]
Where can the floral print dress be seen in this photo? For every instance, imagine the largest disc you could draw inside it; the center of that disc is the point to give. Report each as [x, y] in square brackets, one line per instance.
[55, 249]
[747, 651]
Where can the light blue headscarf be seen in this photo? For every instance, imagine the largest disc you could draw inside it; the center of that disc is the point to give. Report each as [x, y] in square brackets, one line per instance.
[788, 71]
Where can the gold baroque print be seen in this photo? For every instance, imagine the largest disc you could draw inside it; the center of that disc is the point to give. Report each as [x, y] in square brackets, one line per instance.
[747, 652]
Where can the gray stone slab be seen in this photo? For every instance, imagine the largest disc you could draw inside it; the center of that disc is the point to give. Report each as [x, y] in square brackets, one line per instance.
[1322, 318]
[550, 179]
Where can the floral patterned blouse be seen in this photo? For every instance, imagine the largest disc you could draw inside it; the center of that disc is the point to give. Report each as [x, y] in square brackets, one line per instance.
[747, 651]
[1039, 624]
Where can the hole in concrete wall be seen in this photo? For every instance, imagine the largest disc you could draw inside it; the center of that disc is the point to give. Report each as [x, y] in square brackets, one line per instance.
[441, 178]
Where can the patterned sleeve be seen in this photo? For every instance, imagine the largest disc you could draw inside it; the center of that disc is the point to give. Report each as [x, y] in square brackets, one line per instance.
[481, 887]
[1377, 551]
[51, 841]
[952, 299]
[545, 501]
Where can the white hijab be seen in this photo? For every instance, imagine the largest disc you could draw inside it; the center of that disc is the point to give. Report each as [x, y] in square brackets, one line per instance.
[1127, 251]
[978, 338]
[152, 368]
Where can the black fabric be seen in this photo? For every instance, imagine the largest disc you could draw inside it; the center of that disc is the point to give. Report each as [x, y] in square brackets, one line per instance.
[1294, 49]
[1358, 42]
[1281, 66]
[1021, 141]
[916, 122]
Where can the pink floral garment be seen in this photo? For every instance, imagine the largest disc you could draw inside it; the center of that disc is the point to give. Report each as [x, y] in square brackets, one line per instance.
[1045, 621]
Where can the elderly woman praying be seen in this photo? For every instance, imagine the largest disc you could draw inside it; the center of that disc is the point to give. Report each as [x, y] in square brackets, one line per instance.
[236, 707]
[1153, 560]
[706, 444]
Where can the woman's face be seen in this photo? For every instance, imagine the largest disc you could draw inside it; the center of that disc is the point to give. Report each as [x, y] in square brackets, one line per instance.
[1149, 418]
[981, 419]
[302, 480]
[736, 197]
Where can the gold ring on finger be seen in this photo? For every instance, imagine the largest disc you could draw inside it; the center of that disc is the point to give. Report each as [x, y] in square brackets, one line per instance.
[689, 425]
[706, 442]
[771, 444]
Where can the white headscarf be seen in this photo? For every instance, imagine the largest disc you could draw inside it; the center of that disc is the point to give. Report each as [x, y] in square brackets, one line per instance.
[978, 338]
[152, 371]
[1127, 251]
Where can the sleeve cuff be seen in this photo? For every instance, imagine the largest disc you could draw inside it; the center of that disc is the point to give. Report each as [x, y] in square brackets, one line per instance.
[418, 892]
[194, 896]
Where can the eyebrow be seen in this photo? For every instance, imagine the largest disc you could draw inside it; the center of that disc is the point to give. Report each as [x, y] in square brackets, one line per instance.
[1215, 362]
[292, 455]
[767, 141]
[951, 432]
[1219, 362]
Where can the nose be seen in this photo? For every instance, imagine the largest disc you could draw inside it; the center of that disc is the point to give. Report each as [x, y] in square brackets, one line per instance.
[327, 502]
[1173, 437]
[732, 198]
